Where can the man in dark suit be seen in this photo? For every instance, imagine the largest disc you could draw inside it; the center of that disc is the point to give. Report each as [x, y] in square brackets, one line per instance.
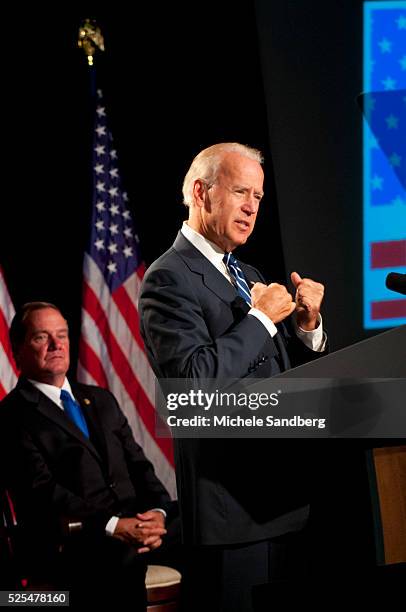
[69, 457]
[205, 315]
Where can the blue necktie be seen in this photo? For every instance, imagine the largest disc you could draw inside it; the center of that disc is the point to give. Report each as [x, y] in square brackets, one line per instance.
[238, 277]
[74, 412]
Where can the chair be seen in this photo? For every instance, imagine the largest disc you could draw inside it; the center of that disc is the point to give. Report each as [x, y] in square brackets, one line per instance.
[163, 587]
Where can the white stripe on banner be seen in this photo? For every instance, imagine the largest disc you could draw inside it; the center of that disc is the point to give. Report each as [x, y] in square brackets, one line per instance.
[92, 336]
[133, 285]
[6, 304]
[7, 375]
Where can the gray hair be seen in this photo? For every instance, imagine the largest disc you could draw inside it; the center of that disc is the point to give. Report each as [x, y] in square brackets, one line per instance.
[206, 164]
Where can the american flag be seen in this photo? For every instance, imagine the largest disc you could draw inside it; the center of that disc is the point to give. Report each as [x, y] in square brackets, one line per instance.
[111, 351]
[384, 159]
[8, 370]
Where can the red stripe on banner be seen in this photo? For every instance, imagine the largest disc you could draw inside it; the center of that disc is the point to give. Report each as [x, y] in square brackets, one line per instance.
[5, 341]
[3, 392]
[130, 314]
[92, 363]
[144, 407]
[388, 309]
[388, 254]
[141, 271]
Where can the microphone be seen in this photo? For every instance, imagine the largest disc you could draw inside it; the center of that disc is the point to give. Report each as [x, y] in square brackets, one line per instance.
[396, 282]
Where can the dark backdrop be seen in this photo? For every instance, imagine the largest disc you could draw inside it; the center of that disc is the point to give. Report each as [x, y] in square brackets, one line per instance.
[278, 75]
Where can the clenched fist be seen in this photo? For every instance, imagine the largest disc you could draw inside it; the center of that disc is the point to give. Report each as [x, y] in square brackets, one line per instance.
[273, 300]
[309, 296]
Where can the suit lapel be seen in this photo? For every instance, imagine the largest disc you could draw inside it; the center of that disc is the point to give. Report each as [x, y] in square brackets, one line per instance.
[51, 411]
[199, 264]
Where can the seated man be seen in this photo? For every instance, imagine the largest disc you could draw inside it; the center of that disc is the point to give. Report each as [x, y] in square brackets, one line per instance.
[70, 457]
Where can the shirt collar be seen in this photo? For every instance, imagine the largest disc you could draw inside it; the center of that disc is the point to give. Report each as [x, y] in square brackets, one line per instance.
[51, 391]
[209, 249]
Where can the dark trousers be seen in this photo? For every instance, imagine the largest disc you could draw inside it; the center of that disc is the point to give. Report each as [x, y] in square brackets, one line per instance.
[104, 572]
[238, 578]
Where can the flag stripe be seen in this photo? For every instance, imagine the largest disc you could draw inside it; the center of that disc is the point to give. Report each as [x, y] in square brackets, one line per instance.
[93, 364]
[388, 309]
[8, 369]
[123, 368]
[390, 254]
[5, 342]
[130, 314]
[3, 392]
[118, 326]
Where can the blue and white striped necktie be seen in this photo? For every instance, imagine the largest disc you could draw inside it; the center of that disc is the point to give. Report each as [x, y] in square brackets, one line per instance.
[237, 276]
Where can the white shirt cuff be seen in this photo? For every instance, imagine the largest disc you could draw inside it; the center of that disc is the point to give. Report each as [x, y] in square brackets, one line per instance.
[158, 510]
[266, 321]
[111, 525]
[314, 339]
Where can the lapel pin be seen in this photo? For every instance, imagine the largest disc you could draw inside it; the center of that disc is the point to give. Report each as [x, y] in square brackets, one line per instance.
[86, 401]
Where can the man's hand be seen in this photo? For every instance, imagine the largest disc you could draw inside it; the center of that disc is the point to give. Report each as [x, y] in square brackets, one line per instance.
[273, 300]
[144, 531]
[309, 296]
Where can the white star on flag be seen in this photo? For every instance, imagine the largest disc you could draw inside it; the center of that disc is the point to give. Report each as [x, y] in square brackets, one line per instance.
[101, 111]
[114, 209]
[99, 244]
[99, 168]
[100, 225]
[100, 206]
[100, 150]
[113, 191]
[113, 228]
[112, 248]
[100, 186]
[128, 251]
[113, 173]
[127, 232]
[113, 154]
[101, 130]
[126, 215]
[112, 267]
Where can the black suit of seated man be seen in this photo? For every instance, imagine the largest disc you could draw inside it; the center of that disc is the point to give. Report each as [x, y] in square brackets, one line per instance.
[244, 503]
[58, 474]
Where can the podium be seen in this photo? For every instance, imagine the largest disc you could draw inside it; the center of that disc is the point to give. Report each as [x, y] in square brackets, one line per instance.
[383, 356]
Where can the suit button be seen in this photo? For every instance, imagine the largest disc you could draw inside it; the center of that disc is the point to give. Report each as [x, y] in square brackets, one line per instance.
[112, 485]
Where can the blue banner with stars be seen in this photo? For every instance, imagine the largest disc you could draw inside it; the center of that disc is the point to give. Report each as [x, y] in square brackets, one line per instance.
[384, 157]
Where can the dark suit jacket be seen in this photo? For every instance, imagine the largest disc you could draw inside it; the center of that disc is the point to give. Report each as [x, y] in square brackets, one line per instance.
[195, 326]
[55, 473]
